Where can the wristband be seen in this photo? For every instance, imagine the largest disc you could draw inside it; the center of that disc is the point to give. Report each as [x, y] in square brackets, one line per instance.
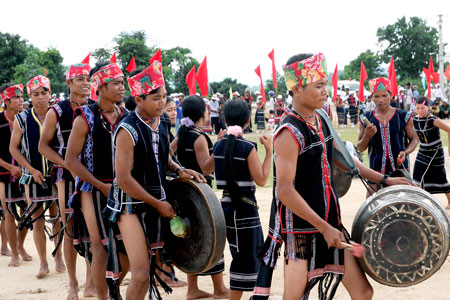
[383, 180]
[178, 170]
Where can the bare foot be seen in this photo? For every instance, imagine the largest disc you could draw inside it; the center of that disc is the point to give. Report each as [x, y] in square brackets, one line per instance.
[43, 271]
[14, 261]
[6, 252]
[73, 292]
[179, 283]
[447, 208]
[25, 256]
[59, 264]
[89, 291]
[197, 294]
[224, 293]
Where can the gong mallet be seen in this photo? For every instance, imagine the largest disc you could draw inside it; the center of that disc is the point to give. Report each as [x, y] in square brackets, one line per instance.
[356, 249]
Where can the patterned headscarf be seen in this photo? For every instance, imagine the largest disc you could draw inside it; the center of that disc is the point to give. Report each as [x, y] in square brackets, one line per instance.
[77, 70]
[37, 82]
[307, 71]
[11, 91]
[379, 84]
[148, 80]
[106, 74]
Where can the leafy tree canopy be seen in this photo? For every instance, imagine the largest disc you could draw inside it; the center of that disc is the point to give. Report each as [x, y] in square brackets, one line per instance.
[371, 63]
[410, 43]
[223, 87]
[132, 44]
[13, 51]
[281, 85]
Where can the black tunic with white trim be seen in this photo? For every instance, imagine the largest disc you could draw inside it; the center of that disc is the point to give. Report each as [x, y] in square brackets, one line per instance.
[244, 232]
[429, 167]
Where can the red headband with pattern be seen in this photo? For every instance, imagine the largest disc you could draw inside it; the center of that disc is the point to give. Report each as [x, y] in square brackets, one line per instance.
[379, 84]
[77, 70]
[304, 72]
[106, 74]
[37, 82]
[148, 80]
[11, 91]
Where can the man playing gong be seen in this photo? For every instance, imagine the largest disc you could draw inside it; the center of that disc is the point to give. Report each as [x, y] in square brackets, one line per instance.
[138, 197]
[305, 209]
[387, 131]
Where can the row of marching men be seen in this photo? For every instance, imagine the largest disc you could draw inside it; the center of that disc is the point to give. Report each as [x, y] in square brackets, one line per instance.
[96, 173]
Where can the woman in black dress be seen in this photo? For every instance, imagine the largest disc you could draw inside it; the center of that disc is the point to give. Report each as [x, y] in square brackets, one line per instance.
[194, 152]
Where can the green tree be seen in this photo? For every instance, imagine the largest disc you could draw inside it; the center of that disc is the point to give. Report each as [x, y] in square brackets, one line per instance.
[177, 62]
[36, 62]
[410, 43]
[281, 85]
[101, 54]
[29, 67]
[13, 51]
[52, 61]
[133, 44]
[223, 87]
[371, 63]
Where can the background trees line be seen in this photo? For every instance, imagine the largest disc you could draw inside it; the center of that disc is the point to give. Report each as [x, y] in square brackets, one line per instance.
[410, 42]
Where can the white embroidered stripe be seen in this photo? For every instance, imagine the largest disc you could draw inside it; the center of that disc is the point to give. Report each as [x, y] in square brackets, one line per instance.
[432, 143]
[243, 277]
[239, 183]
[234, 157]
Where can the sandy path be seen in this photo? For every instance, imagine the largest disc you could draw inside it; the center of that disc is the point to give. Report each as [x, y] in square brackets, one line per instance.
[20, 283]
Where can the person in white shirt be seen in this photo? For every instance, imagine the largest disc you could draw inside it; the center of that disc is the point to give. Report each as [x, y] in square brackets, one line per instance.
[408, 96]
[438, 92]
[346, 105]
[214, 109]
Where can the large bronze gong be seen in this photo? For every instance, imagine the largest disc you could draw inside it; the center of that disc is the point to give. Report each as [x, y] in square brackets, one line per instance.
[405, 232]
[202, 245]
[342, 181]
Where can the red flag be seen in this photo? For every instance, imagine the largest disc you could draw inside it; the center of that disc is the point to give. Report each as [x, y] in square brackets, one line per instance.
[362, 78]
[86, 59]
[393, 78]
[428, 78]
[190, 80]
[433, 75]
[334, 82]
[93, 94]
[274, 69]
[157, 56]
[113, 58]
[447, 72]
[131, 65]
[263, 92]
[45, 71]
[202, 78]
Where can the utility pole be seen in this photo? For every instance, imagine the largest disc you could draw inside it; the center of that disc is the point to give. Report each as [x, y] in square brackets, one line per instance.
[441, 55]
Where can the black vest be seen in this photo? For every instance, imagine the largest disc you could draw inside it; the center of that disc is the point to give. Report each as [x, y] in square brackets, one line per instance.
[310, 179]
[65, 116]
[97, 154]
[145, 167]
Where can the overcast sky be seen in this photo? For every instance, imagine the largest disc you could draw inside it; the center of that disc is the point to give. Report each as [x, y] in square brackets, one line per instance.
[236, 36]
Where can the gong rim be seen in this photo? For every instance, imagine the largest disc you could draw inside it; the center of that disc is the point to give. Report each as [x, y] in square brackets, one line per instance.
[215, 214]
[431, 219]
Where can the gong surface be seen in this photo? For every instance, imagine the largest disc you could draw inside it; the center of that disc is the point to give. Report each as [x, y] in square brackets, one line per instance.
[203, 246]
[342, 181]
[405, 232]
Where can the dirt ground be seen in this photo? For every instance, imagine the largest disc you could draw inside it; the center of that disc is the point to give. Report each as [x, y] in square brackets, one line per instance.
[20, 283]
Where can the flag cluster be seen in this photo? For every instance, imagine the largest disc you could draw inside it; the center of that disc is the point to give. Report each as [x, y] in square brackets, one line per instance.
[201, 77]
